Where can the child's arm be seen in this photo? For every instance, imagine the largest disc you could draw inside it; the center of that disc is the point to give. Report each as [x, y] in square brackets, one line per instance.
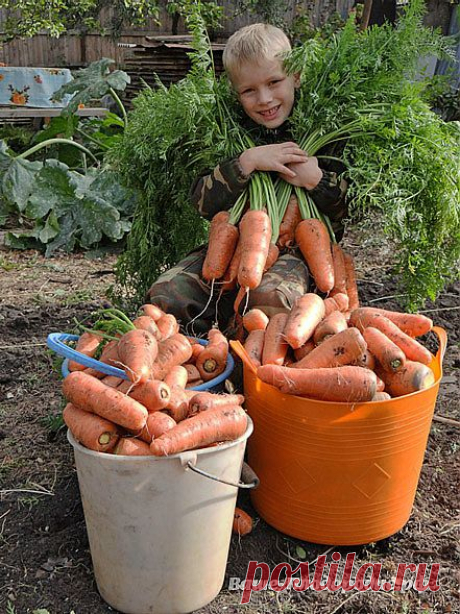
[220, 189]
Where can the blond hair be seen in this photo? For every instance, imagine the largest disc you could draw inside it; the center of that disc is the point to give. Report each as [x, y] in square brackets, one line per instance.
[253, 43]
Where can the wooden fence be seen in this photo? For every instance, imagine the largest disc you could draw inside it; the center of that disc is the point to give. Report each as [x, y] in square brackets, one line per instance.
[74, 51]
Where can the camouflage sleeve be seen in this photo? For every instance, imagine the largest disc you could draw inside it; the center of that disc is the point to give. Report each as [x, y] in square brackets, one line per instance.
[220, 189]
[329, 196]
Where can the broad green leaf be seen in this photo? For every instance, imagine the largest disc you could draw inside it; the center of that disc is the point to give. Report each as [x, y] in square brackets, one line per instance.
[66, 238]
[19, 181]
[92, 83]
[106, 185]
[53, 190]
[26, 240]
[50, 229]
[95, 219]
[63, 126]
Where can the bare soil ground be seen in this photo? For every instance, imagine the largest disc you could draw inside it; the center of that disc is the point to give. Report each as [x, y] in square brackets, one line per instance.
[45, 564]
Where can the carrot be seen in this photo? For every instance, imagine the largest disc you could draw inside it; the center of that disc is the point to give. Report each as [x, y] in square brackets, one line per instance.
[413, 324]
[178, 406]
[338, 350]
[130, 446]
[146, 323]
[223, 238]
[90, 430]
[389, 355]
[213, 360]
[275, 346]
[255, 233]
[87, 344]
[381, 396]
[255, 319]
[366, 360]
[112, 381]
[219, 424]
[342, 301]
[167, 325]
[330, 306]
[137, 350]
[231, 274]
[340, 279]
[332, 324]
[197, 348]
[109, 354]
[152, 311]
[347, 384]
[411, 348]
[152, 394]
[204, 401]
[177, 376]
[272, 256]
[306, 314]
[414, 376]
[90, 394]
[175, 350]
[380, 382]
[193, 375]
[313, 240]
[289, 223]
[157, 424]
[305, 349]
[254, 346]
[242, 522]
[351, 285]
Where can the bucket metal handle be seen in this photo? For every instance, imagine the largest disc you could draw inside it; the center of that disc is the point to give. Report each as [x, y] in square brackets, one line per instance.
[249, 478]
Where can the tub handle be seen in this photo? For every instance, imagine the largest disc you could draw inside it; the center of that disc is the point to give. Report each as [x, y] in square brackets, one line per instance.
[248, 477]
[442, 338]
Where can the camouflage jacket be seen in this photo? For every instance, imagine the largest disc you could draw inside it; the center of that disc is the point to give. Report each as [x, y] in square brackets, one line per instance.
[219, 189]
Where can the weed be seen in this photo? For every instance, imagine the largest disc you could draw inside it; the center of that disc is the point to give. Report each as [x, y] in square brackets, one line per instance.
[52, 422]
[8, 266]
[80, 296]
[10, 609]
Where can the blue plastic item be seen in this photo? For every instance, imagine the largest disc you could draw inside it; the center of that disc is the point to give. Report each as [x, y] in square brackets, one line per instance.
[58, 343]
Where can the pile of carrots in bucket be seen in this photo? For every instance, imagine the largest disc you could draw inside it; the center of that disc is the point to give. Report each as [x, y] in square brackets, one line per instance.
[151, 413]
[323, 351]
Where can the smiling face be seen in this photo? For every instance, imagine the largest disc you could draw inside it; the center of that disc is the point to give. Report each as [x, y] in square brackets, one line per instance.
[265, 92]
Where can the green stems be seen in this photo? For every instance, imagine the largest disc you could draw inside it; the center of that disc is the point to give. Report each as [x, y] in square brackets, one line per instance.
[120, 105]
[36, 148]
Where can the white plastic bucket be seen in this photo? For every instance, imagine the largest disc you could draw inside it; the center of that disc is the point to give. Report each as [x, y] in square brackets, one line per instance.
[159, 532]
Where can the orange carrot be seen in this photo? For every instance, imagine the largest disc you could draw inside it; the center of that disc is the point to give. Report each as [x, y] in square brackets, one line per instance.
[231, 274]
[340, 279]
[219, 424]
[289, 223]
[411, 348]
[332, 324]
[340, 349]
[193, 375]
[152, 311]
[137, 350]
[112, 381]
[153, 394]
[351, 285]
[255, 319]
[254, 346]
[348, 384]
[197, 348]
[272, 256]
[157, 424]
[110, 354]
[255, 233]
[366, 360]
[305, 349]
[380, 382]
[90, 430]
[381, 396]
[389, 355]
[223, 238]
[213, 360]
[90, 394]
[306, 314]
[330, 305]
[413, 324]
[168, 326]
[242, 522]
[342, 301]
[178, 406]
[177, 376]
[175, 350]
[275, 346]
[204, 401]
[87, 344]
[313, 240]
[414, 376]
[146, 323]
[130, 446]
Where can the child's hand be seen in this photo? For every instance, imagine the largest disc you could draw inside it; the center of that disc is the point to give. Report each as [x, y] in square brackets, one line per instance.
[307, 174]
[272, 158]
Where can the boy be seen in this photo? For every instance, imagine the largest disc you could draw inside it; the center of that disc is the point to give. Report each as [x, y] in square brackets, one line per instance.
[267, 95]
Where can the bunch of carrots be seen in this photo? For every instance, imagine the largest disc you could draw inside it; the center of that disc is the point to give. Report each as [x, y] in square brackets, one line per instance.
[324, 350]
[152, 412]
[240, 255]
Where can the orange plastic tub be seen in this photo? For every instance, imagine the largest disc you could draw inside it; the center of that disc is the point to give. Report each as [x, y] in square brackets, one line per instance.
[337, 473]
